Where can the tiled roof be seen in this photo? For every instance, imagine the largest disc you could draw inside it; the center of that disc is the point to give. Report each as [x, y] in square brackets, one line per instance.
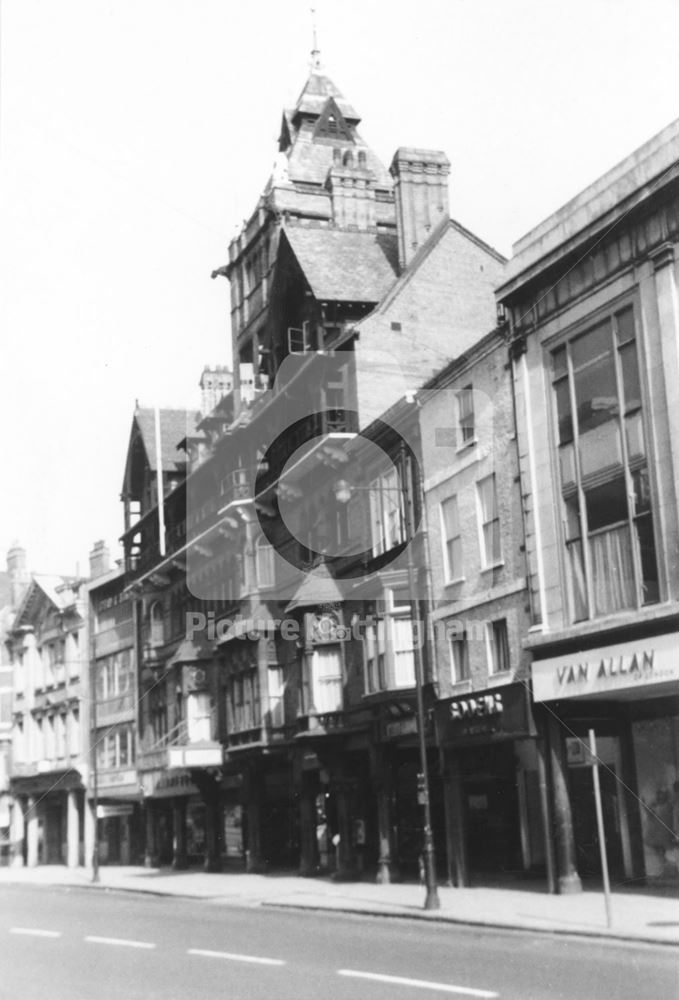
[175, 425]
[310, 161]
[345, 266]
[315, 93]
[57, 589]
[317, 588]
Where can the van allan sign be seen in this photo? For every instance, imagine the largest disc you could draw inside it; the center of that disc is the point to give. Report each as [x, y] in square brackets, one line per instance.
[650, 663]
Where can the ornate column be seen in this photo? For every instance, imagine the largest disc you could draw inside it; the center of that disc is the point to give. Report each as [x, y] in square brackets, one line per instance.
[18, 833]
[308, 862]
[150, 848]
[31, 832]
[254, 861]
[456, 821]
[72, 829]
[568, 880]
[381, 770]
[179, 857]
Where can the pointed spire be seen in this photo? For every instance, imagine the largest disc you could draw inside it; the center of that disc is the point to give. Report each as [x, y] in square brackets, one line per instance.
[315, 62]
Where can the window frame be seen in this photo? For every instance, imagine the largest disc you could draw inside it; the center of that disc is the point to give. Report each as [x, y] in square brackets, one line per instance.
[486, 563]
[498, 654]
[582, 595]
[450, 575]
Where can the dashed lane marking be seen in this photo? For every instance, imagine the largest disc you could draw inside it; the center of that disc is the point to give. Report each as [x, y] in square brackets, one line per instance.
[256, 959]
[35, 932]
[423, 984]
[124, 942]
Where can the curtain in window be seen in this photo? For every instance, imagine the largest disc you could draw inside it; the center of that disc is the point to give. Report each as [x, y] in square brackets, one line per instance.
[404, 657]
[612, 570]
[578, 581]
[327, 679]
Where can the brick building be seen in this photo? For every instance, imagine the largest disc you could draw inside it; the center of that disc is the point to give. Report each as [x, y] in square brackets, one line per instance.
[114, 779]
[350, 288]
[480, 615]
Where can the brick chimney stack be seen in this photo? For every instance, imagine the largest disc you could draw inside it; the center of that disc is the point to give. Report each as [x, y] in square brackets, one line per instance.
[421, 192]
[351, 184]
[18, 573]
[215, 383]
[100, 560]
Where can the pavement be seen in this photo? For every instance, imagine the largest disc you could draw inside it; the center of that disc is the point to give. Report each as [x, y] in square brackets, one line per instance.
[639, 914]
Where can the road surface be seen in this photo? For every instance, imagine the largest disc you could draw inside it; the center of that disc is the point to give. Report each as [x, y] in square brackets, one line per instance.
[80, 944]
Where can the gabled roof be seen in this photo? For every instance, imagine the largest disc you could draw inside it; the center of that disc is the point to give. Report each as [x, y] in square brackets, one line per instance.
[58, 590]
[316, 92]
[343, 266]
[175, 425]
[317, 588]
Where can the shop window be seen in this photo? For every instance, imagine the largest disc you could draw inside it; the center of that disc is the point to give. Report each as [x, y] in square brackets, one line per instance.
[606, 502]
[498, 646]
[491, 548]
[465, 416]
[452, 539]
[459, 655]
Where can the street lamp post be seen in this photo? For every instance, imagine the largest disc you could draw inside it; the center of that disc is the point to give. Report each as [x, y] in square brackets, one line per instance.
[343, 492]
[93, 759]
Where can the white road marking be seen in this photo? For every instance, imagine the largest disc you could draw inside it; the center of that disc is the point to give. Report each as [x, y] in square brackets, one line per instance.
[125, 942]
[258, 960]
[36, 932]
[424, 984]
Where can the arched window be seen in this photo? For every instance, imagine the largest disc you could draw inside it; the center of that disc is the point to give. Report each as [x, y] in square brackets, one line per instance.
[348, 159]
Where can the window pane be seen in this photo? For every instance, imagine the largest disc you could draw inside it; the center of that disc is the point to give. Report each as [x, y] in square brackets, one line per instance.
[613, 581]
[454, 551]
[630, 376]
[642, 491]
[650, 589]
[594, 374]
[487, 498]
[563, 412]
[450, 517]
[606, 504]
[559, 362]
[460, 655]
[624, 322]
[634, 435]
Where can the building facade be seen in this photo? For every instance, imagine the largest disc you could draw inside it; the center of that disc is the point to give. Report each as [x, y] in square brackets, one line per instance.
[115, 791]
[49, 742]
[591, 302]
[490, 757]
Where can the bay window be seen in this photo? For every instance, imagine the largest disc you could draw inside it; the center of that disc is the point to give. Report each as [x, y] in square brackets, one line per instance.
[606, 501]
[389, 652]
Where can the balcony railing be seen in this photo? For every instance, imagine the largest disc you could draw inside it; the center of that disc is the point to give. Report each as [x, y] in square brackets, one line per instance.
[311, 432]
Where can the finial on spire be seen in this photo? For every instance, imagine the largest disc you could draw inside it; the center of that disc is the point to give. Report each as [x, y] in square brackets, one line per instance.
[315, 52]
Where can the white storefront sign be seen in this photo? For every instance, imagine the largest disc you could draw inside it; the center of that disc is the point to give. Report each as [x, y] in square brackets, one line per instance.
[643, 664]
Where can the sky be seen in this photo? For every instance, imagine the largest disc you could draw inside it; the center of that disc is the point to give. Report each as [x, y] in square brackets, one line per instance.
[137, 135]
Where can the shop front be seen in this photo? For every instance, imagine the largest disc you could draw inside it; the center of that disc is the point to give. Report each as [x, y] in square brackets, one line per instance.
[120, 826]
[48, 818]
[627, 693]
[493, 785]
[175, 819]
